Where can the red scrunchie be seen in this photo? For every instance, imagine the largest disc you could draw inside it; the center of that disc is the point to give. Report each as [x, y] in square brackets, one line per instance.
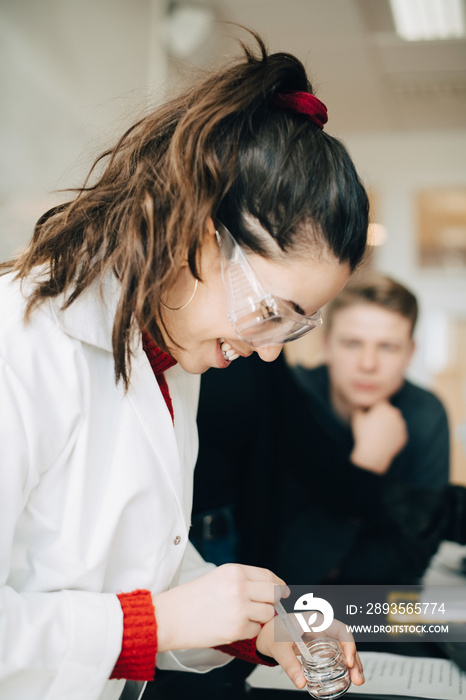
[304, 103]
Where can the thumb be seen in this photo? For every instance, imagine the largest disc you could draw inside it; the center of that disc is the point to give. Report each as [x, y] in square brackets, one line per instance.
[290, 664]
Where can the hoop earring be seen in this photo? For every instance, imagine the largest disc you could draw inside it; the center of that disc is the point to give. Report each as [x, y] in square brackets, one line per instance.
[179, 308]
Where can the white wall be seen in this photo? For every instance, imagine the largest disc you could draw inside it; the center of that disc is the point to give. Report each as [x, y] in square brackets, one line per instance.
[397, 165]
[74, 75]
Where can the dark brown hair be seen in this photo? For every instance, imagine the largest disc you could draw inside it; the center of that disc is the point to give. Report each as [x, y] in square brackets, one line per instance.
[217, 150]
[375, 289]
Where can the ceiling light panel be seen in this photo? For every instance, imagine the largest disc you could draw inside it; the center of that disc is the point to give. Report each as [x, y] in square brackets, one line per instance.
[417, 20]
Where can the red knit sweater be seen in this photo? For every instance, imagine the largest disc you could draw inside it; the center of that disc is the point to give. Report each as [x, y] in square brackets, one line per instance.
[139, 645]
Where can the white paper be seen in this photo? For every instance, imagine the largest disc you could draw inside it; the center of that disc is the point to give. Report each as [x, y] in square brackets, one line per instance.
[393, 674]
[386, 674]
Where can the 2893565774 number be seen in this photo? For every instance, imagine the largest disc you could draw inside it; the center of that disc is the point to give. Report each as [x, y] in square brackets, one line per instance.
[405, 608]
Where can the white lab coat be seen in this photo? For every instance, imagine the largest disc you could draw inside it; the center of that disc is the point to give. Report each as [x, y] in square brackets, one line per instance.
[95, 497]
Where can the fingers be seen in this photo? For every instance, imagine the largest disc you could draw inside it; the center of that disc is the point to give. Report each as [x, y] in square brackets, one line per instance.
[231, 602]
[259, 586]
[286, 657]
[257, 573]
[349, 652]
[283, 652]
[261, 612]
[338, 631]
[356, 672]
[353, 661]
[263, 592]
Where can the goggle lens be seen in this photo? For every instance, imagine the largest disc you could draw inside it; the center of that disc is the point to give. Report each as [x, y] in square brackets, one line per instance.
[260, 319]
[258, 331]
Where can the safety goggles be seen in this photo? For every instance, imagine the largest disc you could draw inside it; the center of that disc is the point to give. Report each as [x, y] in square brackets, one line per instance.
[259, 318]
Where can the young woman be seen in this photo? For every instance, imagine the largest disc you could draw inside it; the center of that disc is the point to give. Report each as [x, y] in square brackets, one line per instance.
[216, 227]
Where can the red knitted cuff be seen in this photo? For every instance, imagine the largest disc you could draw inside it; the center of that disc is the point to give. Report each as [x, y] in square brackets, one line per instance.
[246, 649]
[139, 647]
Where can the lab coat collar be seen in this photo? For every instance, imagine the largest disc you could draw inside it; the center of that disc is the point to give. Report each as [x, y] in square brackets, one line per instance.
[90, 317]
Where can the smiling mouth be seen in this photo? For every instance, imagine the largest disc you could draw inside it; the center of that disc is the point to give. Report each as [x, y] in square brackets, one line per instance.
[227, 351]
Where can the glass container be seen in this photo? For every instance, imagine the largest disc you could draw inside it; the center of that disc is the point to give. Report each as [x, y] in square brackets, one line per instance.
[327, 675]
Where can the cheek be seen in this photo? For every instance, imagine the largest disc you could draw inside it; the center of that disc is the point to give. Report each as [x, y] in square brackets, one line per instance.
[340, 369]
[343, 362]
[394, 370]
[210, 319]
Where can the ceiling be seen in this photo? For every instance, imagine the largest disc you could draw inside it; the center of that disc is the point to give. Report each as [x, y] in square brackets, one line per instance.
[369, 78]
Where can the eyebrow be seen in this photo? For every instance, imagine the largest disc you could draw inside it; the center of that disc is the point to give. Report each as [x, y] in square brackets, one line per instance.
[296, 307]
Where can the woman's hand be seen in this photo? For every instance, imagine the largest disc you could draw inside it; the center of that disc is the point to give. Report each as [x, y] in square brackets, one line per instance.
[227, 604]
[285, 652]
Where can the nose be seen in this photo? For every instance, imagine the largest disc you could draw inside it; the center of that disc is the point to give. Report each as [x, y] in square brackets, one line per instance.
[368, 358]
[269, 353]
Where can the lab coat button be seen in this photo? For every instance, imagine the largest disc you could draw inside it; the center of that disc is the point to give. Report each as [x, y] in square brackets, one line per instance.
[177, 540]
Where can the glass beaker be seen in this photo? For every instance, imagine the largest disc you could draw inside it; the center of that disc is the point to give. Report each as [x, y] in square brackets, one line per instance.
[327, 675]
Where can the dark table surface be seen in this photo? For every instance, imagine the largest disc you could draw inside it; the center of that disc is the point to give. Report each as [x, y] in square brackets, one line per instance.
[228, 683]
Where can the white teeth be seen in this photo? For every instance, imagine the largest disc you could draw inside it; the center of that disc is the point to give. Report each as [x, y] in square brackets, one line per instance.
[228, 352]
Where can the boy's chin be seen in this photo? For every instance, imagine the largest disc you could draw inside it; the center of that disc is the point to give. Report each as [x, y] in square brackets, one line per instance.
[363, 405]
